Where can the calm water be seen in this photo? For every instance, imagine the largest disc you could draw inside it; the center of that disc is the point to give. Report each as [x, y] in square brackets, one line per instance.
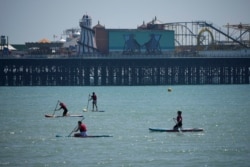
[28, 138]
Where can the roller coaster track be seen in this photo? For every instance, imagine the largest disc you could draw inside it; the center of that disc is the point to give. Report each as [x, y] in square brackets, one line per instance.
[205, 24]
[216, 29]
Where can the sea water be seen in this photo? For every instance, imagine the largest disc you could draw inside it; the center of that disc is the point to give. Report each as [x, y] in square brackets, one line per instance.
[27, 138]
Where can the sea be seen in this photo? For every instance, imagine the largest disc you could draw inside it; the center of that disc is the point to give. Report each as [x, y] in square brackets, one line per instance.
[29, 139]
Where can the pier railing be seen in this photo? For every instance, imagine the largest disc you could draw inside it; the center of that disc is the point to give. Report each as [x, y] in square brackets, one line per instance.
[198, 54]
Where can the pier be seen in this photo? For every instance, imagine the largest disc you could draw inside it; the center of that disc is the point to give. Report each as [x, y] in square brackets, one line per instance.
[154, 53]
[123, 71]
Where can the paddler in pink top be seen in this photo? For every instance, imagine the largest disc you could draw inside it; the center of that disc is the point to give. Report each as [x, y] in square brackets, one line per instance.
[82, 128]
[63, 106]
[94, 101]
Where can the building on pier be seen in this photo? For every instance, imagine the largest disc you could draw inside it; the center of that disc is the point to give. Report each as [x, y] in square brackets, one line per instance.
[146, 39]
[153, 39]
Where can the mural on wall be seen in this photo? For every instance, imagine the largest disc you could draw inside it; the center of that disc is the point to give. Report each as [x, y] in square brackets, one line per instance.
[132, 46]
[136, 42]
[153, 45]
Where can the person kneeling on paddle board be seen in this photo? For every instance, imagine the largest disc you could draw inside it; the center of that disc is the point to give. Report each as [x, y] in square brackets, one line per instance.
[65, 110]
[178, 121]
[82, 128]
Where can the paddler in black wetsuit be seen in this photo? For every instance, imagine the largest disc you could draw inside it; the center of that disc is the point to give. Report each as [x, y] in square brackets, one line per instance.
[178, 121]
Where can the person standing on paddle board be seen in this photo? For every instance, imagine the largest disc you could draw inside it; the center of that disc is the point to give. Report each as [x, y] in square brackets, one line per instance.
[63, 106]
[178, 121]
[94, 101]
[82, 128]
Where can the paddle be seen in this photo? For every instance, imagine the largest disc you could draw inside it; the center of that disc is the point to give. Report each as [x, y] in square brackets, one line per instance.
[75, 128]
[56, 107]
[86, 110]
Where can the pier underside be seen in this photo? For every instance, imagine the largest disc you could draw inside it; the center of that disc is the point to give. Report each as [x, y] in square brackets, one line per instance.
[109, 72]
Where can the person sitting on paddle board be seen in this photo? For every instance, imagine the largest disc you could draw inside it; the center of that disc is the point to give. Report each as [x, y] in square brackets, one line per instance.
[82, 128]
[94, 101]
[178, 121]
[63, 106]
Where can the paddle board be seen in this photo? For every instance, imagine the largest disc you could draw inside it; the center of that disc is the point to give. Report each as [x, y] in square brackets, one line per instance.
[89, 136]
[59, 116]
[172, 130]
[84, 110]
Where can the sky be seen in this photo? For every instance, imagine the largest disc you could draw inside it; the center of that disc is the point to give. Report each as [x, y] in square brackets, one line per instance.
[31, 20]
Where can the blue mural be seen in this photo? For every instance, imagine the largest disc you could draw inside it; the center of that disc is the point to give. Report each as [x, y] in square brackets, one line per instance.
[130, 41]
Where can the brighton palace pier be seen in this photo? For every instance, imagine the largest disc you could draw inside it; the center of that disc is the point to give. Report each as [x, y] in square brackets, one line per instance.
[153, 54]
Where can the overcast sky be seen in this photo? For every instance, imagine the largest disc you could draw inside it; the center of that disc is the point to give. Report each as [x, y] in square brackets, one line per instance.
[31, 20]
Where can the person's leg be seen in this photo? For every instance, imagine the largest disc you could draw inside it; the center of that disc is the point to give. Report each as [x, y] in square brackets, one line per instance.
[65, 113]
[96, 106]
[77, 134]
[175, 127]
[84, 134]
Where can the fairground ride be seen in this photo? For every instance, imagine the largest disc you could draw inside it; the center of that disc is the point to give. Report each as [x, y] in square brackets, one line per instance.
[201, 35]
